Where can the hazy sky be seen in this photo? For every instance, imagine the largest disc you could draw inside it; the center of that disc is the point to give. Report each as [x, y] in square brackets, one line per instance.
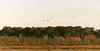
[32, 13]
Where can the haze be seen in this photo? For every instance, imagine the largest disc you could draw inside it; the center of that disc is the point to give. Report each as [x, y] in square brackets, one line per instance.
[30, 13]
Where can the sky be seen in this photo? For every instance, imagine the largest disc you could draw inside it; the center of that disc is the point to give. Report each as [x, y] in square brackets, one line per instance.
[28, 13]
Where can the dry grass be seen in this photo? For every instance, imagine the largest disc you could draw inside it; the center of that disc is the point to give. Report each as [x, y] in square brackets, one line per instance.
[52, 47]
[50, 50]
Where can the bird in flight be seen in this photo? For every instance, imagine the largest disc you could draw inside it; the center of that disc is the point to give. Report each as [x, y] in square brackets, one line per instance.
[51, 18]
[43, 20]
[47, 20]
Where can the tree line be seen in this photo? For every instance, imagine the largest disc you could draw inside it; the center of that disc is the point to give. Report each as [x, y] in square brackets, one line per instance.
[68, 31]
[59, 35]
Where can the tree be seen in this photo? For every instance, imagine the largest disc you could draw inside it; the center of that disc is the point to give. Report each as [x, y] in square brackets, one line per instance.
[20, 36]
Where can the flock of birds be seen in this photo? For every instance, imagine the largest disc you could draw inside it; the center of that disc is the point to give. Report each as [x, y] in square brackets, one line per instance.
[51, 18]
[47, 20]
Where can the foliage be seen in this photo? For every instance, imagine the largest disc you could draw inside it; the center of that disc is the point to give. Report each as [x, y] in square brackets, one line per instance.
[58, 35]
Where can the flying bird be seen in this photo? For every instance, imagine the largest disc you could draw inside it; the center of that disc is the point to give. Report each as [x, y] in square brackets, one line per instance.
[47, 20]
[43, 20]
[51, 18]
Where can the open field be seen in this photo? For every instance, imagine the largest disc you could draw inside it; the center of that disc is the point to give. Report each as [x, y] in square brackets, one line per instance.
[52, 47]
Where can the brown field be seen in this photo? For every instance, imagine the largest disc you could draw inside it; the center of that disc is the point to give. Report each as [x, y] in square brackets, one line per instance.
[51, 47]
